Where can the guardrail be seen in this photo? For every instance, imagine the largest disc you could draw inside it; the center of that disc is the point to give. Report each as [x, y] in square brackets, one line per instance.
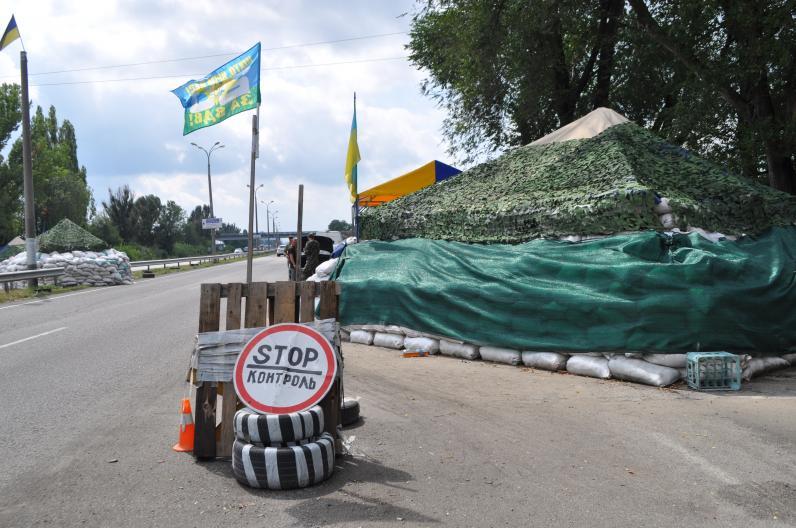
[14, 276]
[190, 260]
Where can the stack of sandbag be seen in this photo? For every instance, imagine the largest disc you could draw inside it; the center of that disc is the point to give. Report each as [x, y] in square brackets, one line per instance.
[103, 268]
[323, 271]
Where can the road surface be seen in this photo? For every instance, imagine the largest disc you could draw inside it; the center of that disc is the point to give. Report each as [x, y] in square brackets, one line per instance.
[91, 383]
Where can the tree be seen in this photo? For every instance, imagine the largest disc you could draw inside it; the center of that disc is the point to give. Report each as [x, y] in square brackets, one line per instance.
[510, 71]
[743, 51]
[193, 232]
[119, 209]
[170, 225]
[145, 214]
[339, 225]
[10, 181]
[102, 228]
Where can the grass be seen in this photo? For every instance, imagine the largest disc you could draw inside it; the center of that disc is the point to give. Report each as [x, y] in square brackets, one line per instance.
[26, 293]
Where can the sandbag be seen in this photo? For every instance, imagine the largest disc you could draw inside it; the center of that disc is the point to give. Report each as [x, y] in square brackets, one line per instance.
[640, 371]
[460, 350]
[759, 366]
[790, 358]
[325, 269]
[508, 356]
[421, 344]
[662, 207]
[584, 365]
[667, 360]
[363, 337]
[545, 360]
[388, 340]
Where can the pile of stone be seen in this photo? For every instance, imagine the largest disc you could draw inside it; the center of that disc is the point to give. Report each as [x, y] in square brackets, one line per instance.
[91, 268]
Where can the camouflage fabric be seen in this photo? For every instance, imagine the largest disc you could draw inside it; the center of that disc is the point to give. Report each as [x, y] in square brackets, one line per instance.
[603, 185]
[68, 236]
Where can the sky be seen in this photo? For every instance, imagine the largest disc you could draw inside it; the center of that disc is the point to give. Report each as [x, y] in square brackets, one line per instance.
[130, 132]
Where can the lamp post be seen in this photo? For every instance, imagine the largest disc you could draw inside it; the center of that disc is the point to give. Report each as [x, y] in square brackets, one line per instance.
[267, 216]
[217, 145]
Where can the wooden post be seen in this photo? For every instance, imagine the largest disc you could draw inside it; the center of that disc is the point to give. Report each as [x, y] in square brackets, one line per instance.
[299, 278]
[205, 410]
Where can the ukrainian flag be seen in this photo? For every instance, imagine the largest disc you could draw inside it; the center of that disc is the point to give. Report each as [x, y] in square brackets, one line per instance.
[11, 34]
[352, 158]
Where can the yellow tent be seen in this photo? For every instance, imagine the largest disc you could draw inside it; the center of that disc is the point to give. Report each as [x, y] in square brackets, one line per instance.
[412, 181]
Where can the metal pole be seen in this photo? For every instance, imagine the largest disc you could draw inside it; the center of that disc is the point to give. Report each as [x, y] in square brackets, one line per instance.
[27, 172]
[268, 225]
[298, 232]
[250, 256]
[212, 215]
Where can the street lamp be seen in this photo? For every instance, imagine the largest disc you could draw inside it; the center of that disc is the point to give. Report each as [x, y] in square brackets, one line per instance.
[267, 216]
[217, 145]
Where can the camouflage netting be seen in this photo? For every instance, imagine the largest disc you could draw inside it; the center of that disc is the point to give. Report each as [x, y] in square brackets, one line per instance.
[68, 236]
[598, 186]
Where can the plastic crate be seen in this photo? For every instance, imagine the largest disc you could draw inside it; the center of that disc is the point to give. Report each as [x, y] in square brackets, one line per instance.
[706, 371]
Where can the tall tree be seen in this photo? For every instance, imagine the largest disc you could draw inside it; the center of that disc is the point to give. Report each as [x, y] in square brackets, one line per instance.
[10, 181]
[743, 51]
[119, 209]
[145, 214]
[169, 226]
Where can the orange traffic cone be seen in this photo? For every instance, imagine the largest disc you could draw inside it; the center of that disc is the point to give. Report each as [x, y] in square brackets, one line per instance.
[186, 429]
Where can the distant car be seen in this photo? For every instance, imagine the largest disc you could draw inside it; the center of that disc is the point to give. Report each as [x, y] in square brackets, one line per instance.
[238, 251]
[280, 250]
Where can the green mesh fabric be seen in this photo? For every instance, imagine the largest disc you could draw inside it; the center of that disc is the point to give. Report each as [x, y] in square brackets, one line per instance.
[632, 292]
[602, 185]
[68, 236]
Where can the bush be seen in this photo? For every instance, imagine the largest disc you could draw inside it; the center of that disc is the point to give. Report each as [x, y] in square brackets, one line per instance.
[181, 249]
[136, 252]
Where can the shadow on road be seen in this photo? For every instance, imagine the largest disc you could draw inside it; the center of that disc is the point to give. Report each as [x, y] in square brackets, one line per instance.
[332, 502]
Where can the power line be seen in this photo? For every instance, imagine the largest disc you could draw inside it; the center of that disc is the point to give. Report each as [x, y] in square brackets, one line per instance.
[229, 54]
[274, 68]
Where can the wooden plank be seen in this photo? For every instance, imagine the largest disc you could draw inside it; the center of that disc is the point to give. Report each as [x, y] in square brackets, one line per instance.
[271, 289]
[284, 303]
[234, 291]
[307, 301]
[331, 409]
[229, 405]
[205, 408]
[328, 306]
[256, 305]
[209, 307]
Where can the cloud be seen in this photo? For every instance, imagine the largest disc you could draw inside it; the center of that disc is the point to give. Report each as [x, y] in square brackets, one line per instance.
[131, 132]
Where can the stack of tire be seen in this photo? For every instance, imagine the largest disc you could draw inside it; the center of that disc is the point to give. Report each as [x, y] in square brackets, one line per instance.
[282, 451]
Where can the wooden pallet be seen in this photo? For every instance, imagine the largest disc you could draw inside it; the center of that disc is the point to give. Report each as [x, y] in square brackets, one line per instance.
[265, 304]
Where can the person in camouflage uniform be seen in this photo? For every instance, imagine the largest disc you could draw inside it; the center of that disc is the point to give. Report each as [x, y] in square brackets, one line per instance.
[312, 250]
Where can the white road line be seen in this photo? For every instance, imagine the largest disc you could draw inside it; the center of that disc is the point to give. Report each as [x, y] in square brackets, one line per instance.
[696, 460]
[33, 337]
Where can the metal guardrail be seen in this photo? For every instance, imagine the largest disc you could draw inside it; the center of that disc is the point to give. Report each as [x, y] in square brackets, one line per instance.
[14, 276]
[178, 261]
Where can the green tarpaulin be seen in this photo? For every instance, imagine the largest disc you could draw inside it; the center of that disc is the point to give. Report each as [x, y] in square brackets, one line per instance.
[643, 291]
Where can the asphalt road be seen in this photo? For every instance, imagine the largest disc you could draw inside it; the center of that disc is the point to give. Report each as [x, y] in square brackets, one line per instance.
[91, 383]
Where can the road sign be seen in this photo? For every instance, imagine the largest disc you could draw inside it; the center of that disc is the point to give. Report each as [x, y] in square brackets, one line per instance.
[211, 223]
[285, 368]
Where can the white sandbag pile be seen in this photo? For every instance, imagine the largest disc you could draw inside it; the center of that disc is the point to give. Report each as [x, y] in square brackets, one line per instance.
[323, 271]
[92, 268]
[659, 370]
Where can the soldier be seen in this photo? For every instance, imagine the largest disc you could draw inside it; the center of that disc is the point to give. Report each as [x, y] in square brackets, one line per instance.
[312, 251]
[291, 258]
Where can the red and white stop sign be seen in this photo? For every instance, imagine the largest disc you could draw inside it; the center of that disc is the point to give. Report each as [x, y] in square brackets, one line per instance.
[285, 368]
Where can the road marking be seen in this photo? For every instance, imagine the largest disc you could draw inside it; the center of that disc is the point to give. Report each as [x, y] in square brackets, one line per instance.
[696, 460]
[33, 337]
[53, 298]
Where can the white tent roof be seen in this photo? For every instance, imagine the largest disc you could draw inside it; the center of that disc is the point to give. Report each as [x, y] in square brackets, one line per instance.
[587, 126]
[18, 241]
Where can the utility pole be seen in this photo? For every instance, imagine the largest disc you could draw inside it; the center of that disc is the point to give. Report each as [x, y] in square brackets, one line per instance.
[217, 145]
[298, 232]
[250, 256]
[27, 173]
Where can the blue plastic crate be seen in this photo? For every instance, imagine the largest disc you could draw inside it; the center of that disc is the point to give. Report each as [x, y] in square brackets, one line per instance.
[713, 371]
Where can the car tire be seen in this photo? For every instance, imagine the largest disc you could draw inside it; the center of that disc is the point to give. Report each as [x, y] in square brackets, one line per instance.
[349, 412]
[281, 468]
[274, 429]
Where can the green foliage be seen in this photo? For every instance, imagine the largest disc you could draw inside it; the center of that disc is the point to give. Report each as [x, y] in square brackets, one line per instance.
[136, 252]
[339, 225]
[603, 185]
[146, 213]
[119, 209]
[181, 249]
[68, 236]
[169, 227]
[102, 227]
[10, 181]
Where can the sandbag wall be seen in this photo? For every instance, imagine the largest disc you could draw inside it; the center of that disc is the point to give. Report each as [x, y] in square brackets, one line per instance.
[103, 268]
[659, 370]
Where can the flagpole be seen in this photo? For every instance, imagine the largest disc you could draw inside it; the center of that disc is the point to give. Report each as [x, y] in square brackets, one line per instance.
[27, 171]
[356, 183]
[250, 254]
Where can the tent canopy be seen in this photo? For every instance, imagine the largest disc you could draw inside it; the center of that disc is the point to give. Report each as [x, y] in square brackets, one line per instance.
[429, 174]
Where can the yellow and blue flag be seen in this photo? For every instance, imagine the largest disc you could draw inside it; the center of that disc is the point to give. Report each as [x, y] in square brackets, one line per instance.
[224, 92]
[11, 34]
[352, 157]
